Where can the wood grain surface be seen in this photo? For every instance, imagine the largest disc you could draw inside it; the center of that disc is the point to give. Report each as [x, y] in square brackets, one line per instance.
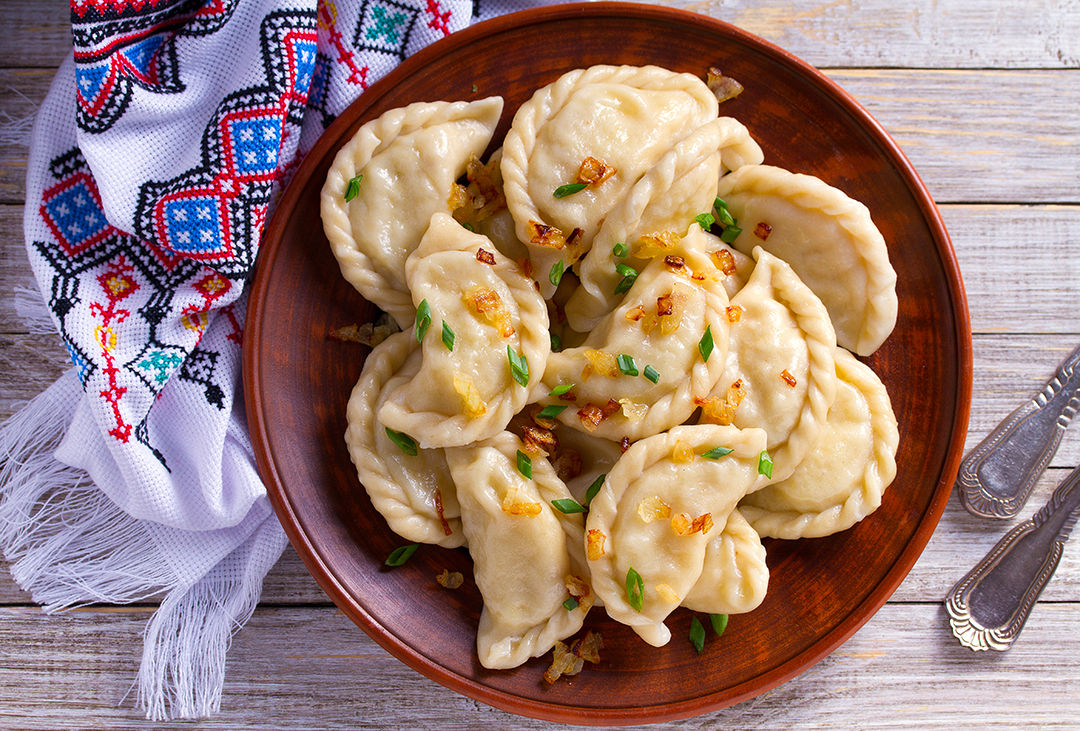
[983, 101]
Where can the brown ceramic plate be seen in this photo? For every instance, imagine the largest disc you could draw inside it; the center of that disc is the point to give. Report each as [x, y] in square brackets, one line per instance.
[297, 381]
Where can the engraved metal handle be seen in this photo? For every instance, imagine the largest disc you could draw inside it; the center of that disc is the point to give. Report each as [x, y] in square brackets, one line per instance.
[988, 607]
[997, 477]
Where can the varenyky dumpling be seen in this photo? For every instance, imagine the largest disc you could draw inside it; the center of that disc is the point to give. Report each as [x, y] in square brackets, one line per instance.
[842, 479]
[660, 506]
[639, 371]
[607, 124]
[413, 492]
[734, 577]
[488, 328]
[827, 238]
[409, 158]
[780, 375]
[527, 556]
[681, 185]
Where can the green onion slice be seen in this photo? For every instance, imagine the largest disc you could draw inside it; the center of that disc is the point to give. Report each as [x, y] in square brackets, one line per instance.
[561, 389]
[401, 554]
[705, 345]
[551, 411]
[764, 464]
[469, 226]
[626, 270]
[729, 234]
[627, 364]
[569, 189]
[652, 374]
[594, 488]
[717, 452]
[723, 215]
[570, 604]
[524, 464]
[403, 440]
[635, 589]
[625, 284]
[555, 275]
[519, 366]
[568, 506]
[620, 250]
[423, 320]
[448, 336]
[697, 634]
[719, 623]
[705, 220]
[556, 342]
[353, 188]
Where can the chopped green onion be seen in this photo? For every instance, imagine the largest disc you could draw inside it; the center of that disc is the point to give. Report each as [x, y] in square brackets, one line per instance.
[568, 506]
[594, 488]
[524, 464]
[719, 623]
[697, 634]
[423, 320]
[448, 336]
[519, 366]
[353, 188]
[705, 345]
[705, 220]
[729, 234]
[625, 284]
[627, 364]
[717, 452]
[401, 554]
[475, 88]
[469, 226]
[620, 250]
[626, 270]
[403, 440]
[551, 411]
[629, 274]
[561, 389]
[635, 589]
[555, 275]
[570, 604]
[652, 374]
[556, 342]
[764, 464]
[569, 189]
[723, 215]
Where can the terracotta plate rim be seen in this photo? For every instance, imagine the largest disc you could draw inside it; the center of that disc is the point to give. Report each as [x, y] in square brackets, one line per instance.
[785, 670]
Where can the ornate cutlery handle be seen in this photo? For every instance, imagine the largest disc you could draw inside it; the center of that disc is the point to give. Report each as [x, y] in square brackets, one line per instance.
[997, 477]
[988, 607]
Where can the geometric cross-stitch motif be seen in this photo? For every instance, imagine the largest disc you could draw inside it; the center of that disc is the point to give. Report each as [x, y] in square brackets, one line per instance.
[385, 26]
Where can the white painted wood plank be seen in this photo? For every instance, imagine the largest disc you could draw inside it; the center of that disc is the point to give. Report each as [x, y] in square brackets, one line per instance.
[312, 668]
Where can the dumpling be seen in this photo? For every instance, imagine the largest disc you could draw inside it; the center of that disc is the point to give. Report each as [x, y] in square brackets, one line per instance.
[527, 555]
[624, 118]
[827, 238]
[780, 375]
[666, 199]
[735, 576]
[409, 158]
[581, 459]
[649, 527]
[842, 479]
[410, 487]
[485, 346]
[639, 371]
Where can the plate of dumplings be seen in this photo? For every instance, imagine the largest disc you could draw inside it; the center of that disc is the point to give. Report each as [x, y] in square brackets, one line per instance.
[607, 364]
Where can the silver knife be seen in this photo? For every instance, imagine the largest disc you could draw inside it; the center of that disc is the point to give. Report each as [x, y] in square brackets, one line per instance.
[997, 477]
[989, 606]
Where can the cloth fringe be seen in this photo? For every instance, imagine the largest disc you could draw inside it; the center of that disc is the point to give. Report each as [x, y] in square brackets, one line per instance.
[33, 312]
[69, 545]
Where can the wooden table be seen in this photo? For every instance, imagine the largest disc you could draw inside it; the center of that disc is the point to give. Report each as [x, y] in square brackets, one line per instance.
[984, 99]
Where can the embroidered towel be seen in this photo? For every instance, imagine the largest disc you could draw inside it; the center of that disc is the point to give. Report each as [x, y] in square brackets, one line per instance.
[154, 163]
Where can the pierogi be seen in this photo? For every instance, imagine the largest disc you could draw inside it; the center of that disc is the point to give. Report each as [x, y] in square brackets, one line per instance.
[619, 367]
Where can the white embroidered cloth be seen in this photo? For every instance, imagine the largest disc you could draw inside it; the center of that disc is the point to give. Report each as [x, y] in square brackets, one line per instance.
[154, 163]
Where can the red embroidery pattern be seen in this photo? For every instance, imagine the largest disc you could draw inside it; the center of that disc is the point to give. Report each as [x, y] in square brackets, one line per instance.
[439, 19]
[117, 284]
[328, 22]
[211, 288]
